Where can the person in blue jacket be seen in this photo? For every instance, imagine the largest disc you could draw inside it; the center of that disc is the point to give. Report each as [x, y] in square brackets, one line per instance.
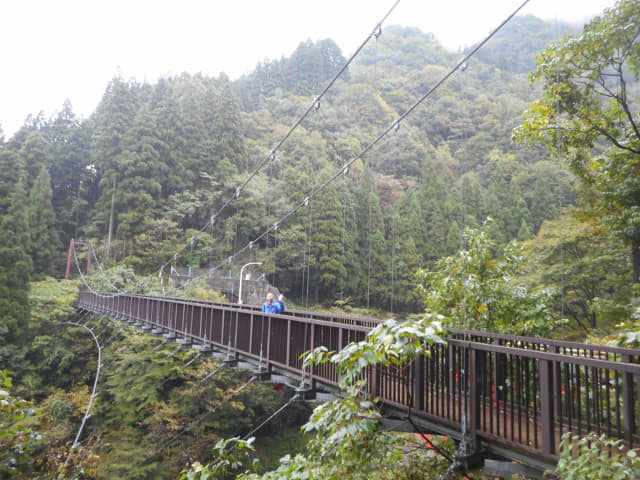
[273, 307]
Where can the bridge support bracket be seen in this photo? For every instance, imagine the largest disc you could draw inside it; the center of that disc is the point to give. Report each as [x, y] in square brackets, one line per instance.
[203, 348]
[467, 457]
[305, 392]
[230, 361]
[504, 469]
[263, 375]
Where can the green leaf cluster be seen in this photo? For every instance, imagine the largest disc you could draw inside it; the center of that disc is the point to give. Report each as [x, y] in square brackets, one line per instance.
[480, 288]
[588, 115]
[595, 457]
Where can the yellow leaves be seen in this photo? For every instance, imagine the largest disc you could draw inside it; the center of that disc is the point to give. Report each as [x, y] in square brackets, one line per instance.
[567, 57]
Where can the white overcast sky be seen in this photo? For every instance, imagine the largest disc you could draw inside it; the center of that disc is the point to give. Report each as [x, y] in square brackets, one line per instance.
[51, 50]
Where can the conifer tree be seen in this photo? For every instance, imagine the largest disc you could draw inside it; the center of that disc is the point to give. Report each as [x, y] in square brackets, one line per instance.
[351, 267]
[372, 251]
[524, 233]
[327, 267]
[113, 120]
[407, 259]
[454, 238]
[11, 166]
[72, 178]
[15, 266]
[44, 239]
[432, 196]
[141, 170]
[227, 129]
[36, 152]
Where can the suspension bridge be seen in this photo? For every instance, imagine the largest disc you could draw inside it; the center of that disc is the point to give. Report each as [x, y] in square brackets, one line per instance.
[517, 395]
[498, 395]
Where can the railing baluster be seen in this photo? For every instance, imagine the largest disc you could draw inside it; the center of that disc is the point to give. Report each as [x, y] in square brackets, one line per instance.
[628, 403]
[546, 407]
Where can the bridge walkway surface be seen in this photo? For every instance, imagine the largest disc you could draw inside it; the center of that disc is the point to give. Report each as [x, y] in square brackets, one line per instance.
[518, 395]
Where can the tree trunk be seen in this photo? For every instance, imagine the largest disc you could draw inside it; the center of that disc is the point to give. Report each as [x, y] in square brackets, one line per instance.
[113, 198]
[635, 258]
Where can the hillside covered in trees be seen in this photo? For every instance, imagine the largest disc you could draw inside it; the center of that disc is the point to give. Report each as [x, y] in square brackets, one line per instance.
[156, 160]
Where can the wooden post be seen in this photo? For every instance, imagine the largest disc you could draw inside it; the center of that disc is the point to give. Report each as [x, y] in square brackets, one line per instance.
[418, 383]
[235, 340]
[557, 386]
[268, 356]
[628, 404]
[546, 406]
[476, 371]
[251, 333]
[288, 342]
[500, 376]
[311, 379]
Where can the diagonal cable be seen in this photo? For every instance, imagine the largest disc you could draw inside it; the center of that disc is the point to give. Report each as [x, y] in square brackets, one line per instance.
[313, 106]
[394, 126]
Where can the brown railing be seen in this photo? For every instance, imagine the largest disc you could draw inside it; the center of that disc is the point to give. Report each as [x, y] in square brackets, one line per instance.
[520, 392]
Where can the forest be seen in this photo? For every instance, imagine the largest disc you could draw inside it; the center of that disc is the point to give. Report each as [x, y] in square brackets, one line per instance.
[514, 185]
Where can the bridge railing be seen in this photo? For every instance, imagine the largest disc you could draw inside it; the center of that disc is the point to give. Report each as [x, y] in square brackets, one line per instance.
[602, 352]
[517, 391]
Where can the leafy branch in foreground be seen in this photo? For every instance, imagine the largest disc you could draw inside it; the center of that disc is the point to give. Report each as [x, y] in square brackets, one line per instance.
[16, 440]
[231, 454]
[478, 288]
[588, 115]
[345, 436]
[596, 458]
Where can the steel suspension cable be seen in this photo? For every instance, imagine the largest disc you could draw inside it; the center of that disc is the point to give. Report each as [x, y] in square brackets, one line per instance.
[207, 377]
[310, 255]
[95, 257]
[87, 413]
[370, 205]
[314, 105]
[394, 126]
[393, 254]
[193, 424]
[560, 192]
[295, 397]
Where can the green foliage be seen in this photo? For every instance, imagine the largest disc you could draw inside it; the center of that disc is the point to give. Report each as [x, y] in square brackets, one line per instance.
[588, 114]
[345, 438]
[16, 440]
[478, 288]
[629, 335]
[52, 300]
[15, 267]
[149, 396]
[596, 458]
[514, 48]
[119, 276]
[45, 242]
[324, 225]
[200, 290]
[167, 155]
[231, 456]
[585, 258]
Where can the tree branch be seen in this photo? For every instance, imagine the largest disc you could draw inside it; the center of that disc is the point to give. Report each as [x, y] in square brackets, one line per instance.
[605, 133]
[625, 106]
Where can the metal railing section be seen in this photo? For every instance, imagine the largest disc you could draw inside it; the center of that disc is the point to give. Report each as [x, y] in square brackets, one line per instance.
[523, 392]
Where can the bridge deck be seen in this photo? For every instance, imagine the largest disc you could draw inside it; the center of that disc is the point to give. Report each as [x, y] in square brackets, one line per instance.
[520, 394]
